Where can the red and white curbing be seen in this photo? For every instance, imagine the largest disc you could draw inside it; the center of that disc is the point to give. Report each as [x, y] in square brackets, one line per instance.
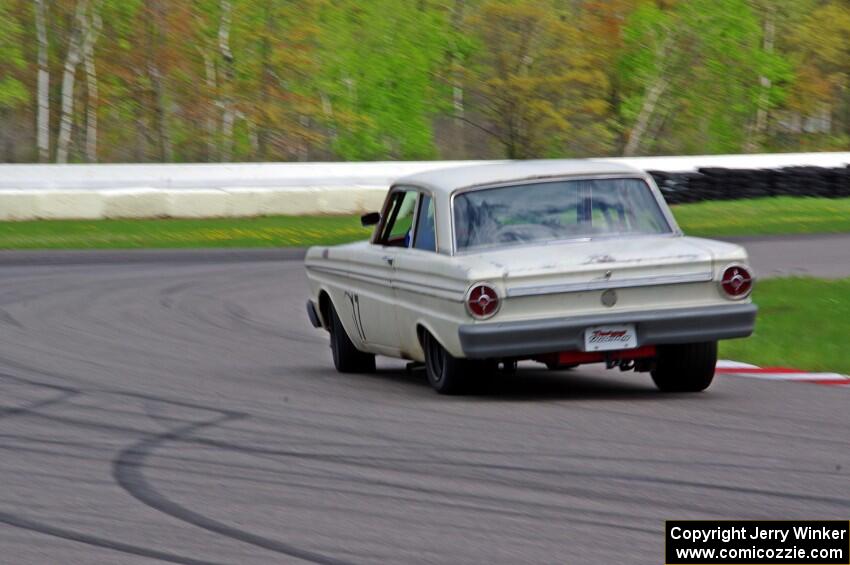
[780, 374]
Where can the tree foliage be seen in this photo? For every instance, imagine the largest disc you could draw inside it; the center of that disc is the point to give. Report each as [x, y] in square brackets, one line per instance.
[710, 56]
[13, 92]
[379, 61]
[244, 80]
[539, 92]
[821, 50]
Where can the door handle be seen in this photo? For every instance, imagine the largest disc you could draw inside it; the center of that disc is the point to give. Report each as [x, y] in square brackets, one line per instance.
[389, 259]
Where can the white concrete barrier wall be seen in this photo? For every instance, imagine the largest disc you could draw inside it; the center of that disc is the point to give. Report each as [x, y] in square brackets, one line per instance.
[32, 192]
[77, 204]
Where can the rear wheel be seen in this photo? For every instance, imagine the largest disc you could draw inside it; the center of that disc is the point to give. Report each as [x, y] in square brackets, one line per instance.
[347, 358]
[687, 367]
[447, 374]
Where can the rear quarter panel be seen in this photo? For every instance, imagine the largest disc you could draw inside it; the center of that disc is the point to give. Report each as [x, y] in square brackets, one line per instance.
[429, 291]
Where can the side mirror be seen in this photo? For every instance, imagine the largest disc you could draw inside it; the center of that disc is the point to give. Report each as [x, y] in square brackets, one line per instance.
[370, 219]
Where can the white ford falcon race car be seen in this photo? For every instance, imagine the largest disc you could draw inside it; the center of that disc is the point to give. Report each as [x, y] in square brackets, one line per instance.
[560, 262]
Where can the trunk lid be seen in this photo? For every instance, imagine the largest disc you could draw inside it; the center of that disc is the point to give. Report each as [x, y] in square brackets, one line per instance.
[591, 265]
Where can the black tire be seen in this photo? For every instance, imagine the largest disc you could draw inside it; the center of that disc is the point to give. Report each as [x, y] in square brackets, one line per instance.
[687, 367]
[446, 374]
[347, 358]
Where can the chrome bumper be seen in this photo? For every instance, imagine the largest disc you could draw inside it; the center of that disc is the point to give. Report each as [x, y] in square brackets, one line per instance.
[552, 335]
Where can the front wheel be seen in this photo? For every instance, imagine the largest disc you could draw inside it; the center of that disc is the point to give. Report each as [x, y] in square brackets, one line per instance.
[688, 367]
[347, 358]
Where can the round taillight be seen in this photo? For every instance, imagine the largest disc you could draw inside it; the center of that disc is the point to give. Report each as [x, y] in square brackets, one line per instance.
[482, 301]
[736, 282]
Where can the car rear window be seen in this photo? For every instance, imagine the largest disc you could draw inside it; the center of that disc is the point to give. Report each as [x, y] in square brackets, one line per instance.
[552, 211]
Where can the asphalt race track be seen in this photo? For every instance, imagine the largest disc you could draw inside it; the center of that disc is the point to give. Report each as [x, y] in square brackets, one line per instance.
[184, 411]
[819, 255]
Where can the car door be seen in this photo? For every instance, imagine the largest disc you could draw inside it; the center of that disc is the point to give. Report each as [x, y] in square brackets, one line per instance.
[371, 301]
[421, 288]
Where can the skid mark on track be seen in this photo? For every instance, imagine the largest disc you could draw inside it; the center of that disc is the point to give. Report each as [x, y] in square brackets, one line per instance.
[18, 521]
[64, 394]
[127, 470]
[105, 543]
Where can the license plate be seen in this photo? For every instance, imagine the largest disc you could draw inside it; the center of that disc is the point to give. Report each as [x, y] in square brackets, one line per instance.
[609, 338]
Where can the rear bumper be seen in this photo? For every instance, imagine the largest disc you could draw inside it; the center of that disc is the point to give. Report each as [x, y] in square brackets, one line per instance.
[683, 325]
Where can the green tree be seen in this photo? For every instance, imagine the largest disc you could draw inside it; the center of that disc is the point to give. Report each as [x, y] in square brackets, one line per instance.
[222, 80]
[533, 87]
[379, 64]
[13, 92]
[821, 46]
[602, 26]
[275, 46]
[694, 74]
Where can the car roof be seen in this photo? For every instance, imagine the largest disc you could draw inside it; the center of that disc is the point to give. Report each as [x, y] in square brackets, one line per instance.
[453, 178]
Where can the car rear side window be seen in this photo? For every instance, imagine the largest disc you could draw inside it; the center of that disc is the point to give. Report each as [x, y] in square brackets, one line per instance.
[426, 235]
[552, 211]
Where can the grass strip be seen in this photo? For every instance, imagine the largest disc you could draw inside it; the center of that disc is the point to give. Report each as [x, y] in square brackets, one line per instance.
[802, 324]
[765, 216]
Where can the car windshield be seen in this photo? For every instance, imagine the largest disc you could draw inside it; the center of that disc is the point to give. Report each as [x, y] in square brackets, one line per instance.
[551, 211]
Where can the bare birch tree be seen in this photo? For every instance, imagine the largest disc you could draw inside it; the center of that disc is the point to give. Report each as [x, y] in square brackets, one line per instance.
[210, 122]
[155, 37]
[228, 115]
[768, 40]
[72, 60]
[92, 100]
[43, 119]
[655, 90]
[456, 75]
[647, 110]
